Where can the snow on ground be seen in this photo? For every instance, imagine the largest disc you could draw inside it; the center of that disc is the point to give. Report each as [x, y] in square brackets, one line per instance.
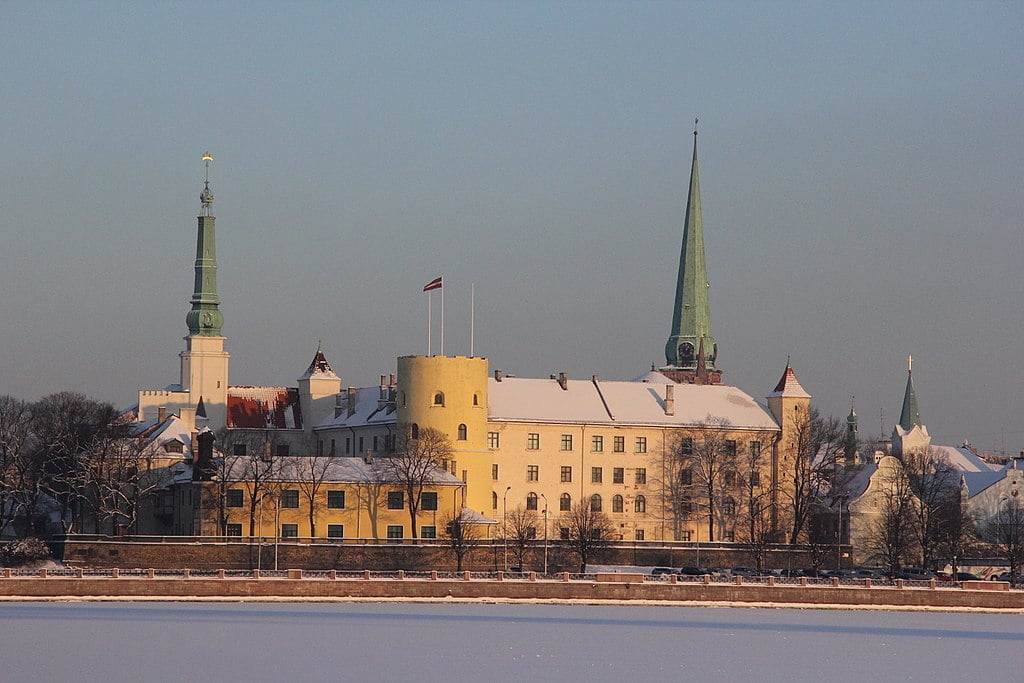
[497, 642]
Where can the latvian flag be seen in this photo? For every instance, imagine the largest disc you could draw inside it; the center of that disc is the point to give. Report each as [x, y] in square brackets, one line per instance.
[434, 284]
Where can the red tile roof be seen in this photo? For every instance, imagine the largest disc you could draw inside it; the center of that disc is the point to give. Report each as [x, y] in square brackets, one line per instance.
[264, 408]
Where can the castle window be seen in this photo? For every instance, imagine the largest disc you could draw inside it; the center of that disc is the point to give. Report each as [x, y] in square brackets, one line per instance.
[686, 446]
[290, 498]
[462, 432]
[641, 444]
[641, 475]
[235, 497]
[565, 502]
[336, 500]
[595, 503]
[640, 504]
[494, 471]
[414, 431]
[597, 443]
[476, 399]
[618, 475]
[730, 448]
[396, 500]
[396, 532]
[234, 530]
[638, 534]
[729, 507]
[335, 531]
[531, 501]
[619, 444]
[289, 531]
[566, 442]
[755, 478]
[533, 441]
[755, 449]
[493, 440]
[617, 503]
[532, 473]
[494, 499]
[429, 500]
[596, 475]
[439, 399]
[566, 473]
[428, 532]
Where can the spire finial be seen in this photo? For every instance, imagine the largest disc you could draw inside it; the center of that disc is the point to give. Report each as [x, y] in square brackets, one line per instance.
[695, 121]
[788, 365]
[910, 363]
[206, 197]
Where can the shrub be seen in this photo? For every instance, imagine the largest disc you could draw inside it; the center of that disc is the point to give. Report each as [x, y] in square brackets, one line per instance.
[23, 551]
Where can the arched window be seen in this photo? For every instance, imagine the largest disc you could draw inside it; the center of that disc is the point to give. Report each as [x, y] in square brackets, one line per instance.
[565, 502]
[414, 431]
[640, 504]
[494, 500]
[617, 503]
[595, 503]
[729, 507]
[462, 432]
[476, 399]
[439, 399]
[531, 501]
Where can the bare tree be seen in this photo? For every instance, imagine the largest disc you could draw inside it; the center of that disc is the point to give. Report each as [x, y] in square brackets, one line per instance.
[757, 530]
[890, 536]
[959, 532]
[310, 474]
[64, 426]
[588, 531]
[1005, 531]
[460, 538]
[521, 527]
[15, 431]
[252, 464]
[936, 487]
[696, 471]
[417, 462]
[818, 442]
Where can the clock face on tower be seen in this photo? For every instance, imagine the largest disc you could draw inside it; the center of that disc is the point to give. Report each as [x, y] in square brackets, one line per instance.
[685, 351]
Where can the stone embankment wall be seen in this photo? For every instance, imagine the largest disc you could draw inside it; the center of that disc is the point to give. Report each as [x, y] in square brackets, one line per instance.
[327, 588]
[387, 557]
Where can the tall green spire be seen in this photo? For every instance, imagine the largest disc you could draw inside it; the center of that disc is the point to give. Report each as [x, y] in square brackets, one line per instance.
[205, 318]
[910, 416]
[691, 317]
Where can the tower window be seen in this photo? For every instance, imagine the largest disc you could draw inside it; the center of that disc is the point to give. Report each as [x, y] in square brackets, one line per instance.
[476, 399]
[414, 431]
[439, 399]
[565, 502]
[462, 432]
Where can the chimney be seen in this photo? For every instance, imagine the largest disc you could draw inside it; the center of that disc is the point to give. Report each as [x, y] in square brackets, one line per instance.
[161, 413]
[499, 375]
[202, 470]
[670, 399]
[382, 398]
[338, 398]
[268, 452]
[351, 401]
[563, 381]
[195, 446]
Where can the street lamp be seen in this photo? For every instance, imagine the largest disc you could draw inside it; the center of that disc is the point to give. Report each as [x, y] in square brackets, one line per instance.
[504, 526]
[839, 532]
[545, 532]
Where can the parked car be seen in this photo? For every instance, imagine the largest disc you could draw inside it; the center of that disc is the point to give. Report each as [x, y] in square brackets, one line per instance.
[659, 571]
[1006, 576]
[743, 571]
[865, 573]
[694, 571]
[964, 576]
[916, 574]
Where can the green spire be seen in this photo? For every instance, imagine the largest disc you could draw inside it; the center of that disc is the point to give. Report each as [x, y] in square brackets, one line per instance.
[205, 318]
[910, 416]
[691, 317]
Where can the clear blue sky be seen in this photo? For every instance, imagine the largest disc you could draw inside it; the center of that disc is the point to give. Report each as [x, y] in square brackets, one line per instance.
[861, 172]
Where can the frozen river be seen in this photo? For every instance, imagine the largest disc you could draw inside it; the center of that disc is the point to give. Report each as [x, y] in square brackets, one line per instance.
[522, 643]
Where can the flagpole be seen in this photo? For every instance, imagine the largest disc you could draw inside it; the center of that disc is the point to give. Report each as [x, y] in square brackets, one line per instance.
[430, 295]
[472, 311]
[442, 314]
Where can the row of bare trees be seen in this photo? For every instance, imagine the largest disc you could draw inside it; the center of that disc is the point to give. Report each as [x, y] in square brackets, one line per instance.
[66, 458]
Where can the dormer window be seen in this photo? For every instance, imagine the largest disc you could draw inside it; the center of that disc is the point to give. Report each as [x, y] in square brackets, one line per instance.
[174, 446]
[439, 399]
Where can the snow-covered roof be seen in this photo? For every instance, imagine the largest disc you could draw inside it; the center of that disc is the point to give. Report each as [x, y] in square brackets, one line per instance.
[320, 368]
[264, 408]
[471, 516]
[339, 470]
[789, 386]
[366, 411]
[976, 482]
[653, 377]
[962, 459]
[516, 399]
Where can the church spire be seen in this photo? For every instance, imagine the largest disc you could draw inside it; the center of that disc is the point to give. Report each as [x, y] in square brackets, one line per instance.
[205, 318]
[910, 416]
[691, 315]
